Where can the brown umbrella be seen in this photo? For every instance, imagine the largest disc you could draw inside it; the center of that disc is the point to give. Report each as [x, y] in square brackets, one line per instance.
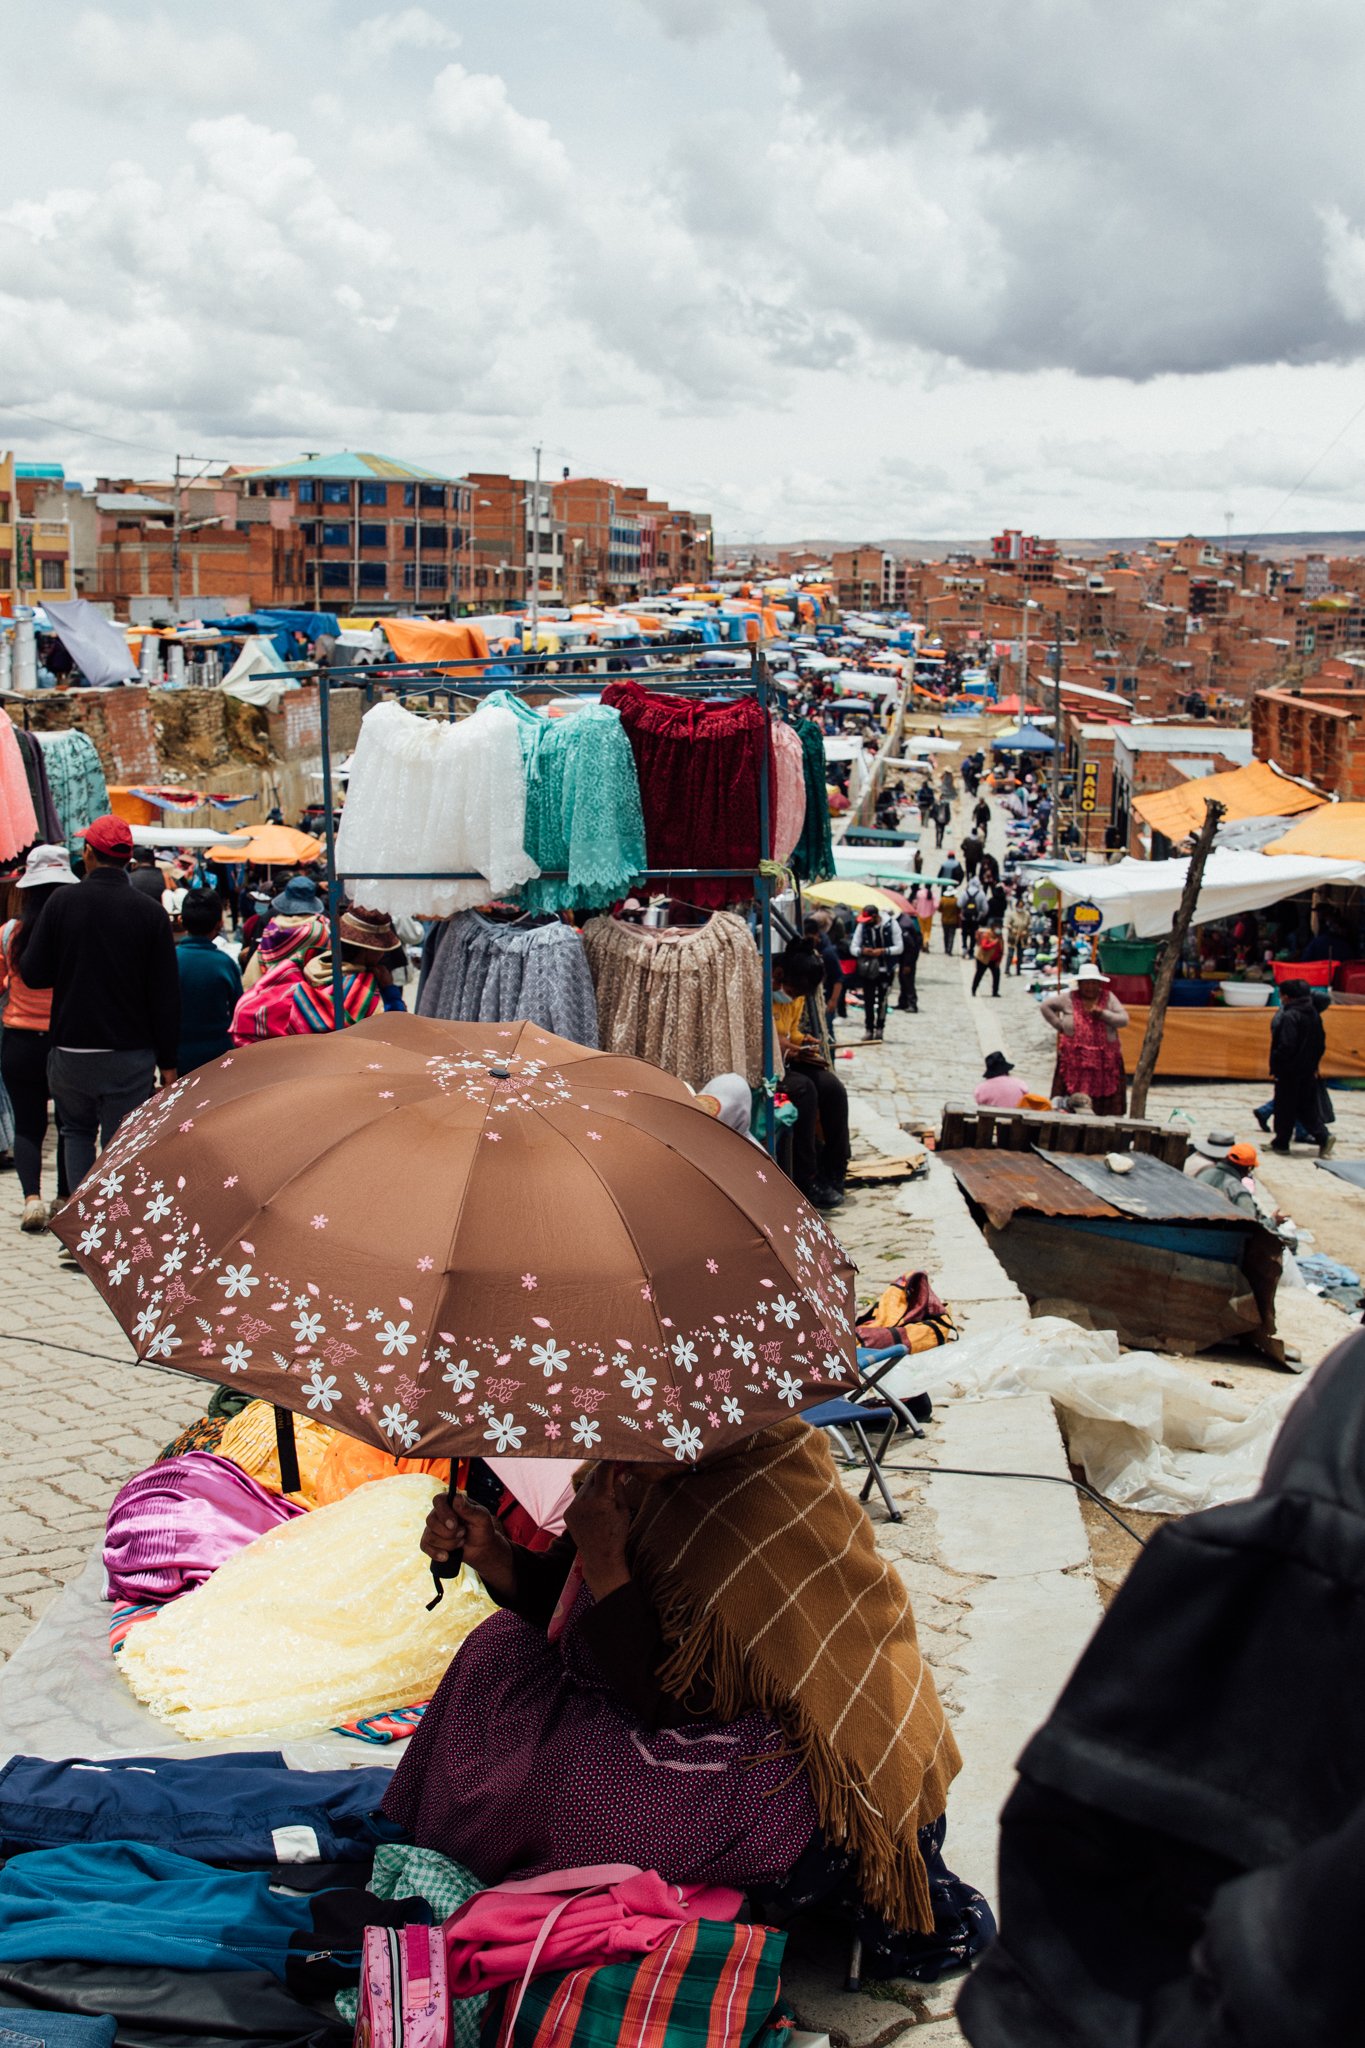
[452, 1239]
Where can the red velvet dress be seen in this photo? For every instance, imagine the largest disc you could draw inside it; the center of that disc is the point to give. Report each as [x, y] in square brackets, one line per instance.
[699, 764]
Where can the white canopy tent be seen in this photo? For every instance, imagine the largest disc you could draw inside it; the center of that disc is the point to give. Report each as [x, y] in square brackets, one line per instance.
[1146, 893]
[258, 676]
[865, 863]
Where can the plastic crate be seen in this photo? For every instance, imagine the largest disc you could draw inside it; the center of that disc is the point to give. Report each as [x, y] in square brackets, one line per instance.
[1317, 973]
[1351, 978]
[1129, 956]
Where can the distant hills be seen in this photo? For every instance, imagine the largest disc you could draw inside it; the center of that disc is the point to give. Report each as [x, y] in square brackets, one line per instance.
[1344, 543]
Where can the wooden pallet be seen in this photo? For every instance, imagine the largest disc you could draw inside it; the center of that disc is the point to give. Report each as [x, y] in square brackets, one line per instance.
[969, 1125]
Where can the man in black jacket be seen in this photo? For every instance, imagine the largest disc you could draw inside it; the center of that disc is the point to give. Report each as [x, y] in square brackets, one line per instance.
[1297, 1044]
[108, 955]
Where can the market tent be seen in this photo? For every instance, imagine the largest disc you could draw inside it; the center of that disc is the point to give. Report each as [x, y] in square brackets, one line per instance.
[855, 896]
[1260, 790]
[1026, 739]
[1146, 893]
[874, 864]
[259, 676]
[271, 846]
[1333, 832]
[1015, 705]
[97, 646]
[436, 639]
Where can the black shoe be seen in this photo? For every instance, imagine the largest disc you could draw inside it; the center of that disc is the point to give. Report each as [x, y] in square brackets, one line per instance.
[821, 1197]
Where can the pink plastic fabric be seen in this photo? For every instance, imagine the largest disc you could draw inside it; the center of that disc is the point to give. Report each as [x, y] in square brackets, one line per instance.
[18, 819]
[567, 1919]
[171, 1527]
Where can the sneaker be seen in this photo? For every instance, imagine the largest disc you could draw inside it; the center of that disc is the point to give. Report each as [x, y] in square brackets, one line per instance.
[34, 1217]
[1262, 1117]
[1328, 1146]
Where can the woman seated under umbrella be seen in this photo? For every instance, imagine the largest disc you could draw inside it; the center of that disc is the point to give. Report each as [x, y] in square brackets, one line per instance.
[712, 1675]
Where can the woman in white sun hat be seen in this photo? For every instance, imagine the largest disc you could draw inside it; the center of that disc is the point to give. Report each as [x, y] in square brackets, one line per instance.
[25, 1037]
[1087, 1020]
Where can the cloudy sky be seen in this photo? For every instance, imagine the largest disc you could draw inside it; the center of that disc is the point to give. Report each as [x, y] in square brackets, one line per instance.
[854, 267]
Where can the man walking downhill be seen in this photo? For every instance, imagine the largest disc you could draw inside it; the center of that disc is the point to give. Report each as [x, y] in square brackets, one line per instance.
[107, 953]
[1297, 1044]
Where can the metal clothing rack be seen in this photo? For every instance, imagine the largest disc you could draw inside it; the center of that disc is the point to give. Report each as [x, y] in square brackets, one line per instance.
[466, 679]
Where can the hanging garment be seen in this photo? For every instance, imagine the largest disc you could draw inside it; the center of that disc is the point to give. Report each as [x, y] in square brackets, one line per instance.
[789, 800]
[699, 765]
[813, 857]
[282, 1639]
[433, 797]
[18, 819]
[485, 972]
[39, 789]
[76, 778]
[583, 810]
[689, 1001]
[247, 1809]
[173, 1525]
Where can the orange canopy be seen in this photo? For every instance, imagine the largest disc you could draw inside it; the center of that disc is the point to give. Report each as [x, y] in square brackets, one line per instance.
[1256, 791]
[437, 640]
[1333, 832]
[272, 846]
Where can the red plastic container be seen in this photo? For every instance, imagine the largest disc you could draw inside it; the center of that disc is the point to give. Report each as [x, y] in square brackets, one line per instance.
[1351, 977]
[1317, 973]
[1131, 988]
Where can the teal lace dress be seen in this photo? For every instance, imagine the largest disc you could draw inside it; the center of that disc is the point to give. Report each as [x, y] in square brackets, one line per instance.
[583, 814]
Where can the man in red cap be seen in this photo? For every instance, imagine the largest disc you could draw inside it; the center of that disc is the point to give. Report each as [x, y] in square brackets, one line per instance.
[107, 953]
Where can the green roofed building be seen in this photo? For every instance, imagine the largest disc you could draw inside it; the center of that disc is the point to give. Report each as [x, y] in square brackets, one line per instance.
[365, 530]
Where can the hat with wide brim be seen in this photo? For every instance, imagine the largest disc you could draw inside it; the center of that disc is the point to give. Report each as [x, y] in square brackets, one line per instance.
[45, 865]
[368, 931]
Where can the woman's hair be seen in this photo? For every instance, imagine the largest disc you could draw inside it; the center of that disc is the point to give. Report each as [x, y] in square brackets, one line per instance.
[31, 902]
[201, 912]
[801, 967]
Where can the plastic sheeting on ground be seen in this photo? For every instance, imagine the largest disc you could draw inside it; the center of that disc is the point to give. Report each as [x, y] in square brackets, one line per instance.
[1146, 893]
[1146, 1434]
[95, 644]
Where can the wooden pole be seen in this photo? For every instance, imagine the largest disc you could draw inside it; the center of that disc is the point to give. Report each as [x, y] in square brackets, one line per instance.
[1166, 966]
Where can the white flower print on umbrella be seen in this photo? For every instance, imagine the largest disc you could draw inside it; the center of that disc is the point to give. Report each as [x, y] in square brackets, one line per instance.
[163, 1343]
[119, 1272]
[504, 1434]
[92, 1237]
[237, 1357]
[307, 1328]
[684, 1440]
[159, 1208]
[394, 1420]
[462, 1377]
[396, 1337]
[235, 1280]
[684, 1354]
[731, 1410]
[322, 1393]
[788, 1389]
[144, 1322]
[638, 1384]
[785, 1311]
[586, 1432]
[743, 1350]
[549, 1357]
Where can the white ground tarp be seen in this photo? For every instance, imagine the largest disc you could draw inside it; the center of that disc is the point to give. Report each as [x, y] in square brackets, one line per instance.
[1146, 893]
[97, 647]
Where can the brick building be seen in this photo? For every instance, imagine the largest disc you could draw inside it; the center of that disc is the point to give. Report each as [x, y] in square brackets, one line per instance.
[363, 530]
[1316, 729]
[35, 544]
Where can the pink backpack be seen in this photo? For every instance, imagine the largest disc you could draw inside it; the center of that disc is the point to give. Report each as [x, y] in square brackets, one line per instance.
[404, 2002]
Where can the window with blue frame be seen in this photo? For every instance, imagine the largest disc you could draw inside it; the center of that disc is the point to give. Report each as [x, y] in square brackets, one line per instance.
[409, 494]
[336, 536]
[374, 534]
[433, 540]
[373, 575]
[409, 536]
[433, 494]
[336, 494]
[433, 575]
[306, 492]
[336, 575]
[374, 494]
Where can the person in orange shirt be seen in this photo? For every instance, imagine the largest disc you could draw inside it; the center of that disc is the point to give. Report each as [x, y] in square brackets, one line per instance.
[25, 1040]
[990, 951]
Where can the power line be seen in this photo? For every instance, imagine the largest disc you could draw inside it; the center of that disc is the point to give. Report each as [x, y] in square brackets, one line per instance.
[69, 427]
[1316, 463]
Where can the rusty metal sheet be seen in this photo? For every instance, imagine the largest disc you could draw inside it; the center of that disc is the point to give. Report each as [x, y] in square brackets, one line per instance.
[1002, 1183]
[1153, 1192]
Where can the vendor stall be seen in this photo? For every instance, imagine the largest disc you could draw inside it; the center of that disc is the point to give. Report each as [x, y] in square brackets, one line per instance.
[1218, 1044]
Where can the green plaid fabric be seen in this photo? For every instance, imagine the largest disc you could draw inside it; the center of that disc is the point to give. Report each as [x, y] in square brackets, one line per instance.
[403, 1871]
[712, 1985]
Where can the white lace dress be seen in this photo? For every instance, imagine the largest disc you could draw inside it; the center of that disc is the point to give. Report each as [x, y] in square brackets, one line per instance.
[429, 796]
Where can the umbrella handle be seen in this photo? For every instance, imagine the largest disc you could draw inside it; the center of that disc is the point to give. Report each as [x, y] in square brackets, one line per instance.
[454, 1563]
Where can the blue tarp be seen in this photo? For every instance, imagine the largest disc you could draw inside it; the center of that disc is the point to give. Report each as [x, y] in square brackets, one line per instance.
[279, 624]
[1026, 740]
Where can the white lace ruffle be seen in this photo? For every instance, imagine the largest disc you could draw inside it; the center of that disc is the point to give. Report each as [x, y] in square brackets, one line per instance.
[430, 796]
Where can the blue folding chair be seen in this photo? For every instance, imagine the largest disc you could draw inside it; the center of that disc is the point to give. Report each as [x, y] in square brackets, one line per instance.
[856, 1416]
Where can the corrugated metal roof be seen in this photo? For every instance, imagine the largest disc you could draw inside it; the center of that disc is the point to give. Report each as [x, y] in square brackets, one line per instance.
[1151, 1190]
[1002, 1183]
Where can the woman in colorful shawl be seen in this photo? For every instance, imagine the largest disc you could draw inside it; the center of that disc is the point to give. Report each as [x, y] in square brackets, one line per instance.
[1088, 1021]
[266, 1008]
[713, 1675]
[370, 950]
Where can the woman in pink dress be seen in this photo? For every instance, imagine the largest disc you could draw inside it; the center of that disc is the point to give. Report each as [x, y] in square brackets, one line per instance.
[1087, 1020]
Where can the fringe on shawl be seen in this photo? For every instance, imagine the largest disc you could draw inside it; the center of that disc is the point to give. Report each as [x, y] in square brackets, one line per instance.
[891, 1873]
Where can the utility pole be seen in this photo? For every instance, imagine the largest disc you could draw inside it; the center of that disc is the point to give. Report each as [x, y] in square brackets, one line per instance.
[178, 522]
[535, 558]
[1170, 959]
[1056, 733]
[1023, 657]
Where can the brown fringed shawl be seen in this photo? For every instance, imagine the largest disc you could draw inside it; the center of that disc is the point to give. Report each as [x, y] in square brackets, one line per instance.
[766, 1578]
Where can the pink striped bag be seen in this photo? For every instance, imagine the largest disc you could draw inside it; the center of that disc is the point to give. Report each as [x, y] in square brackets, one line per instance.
[404, 2002]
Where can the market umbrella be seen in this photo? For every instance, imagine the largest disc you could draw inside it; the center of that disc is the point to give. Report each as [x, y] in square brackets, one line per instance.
[856, 895]
[456, 1238]
[271, 846]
